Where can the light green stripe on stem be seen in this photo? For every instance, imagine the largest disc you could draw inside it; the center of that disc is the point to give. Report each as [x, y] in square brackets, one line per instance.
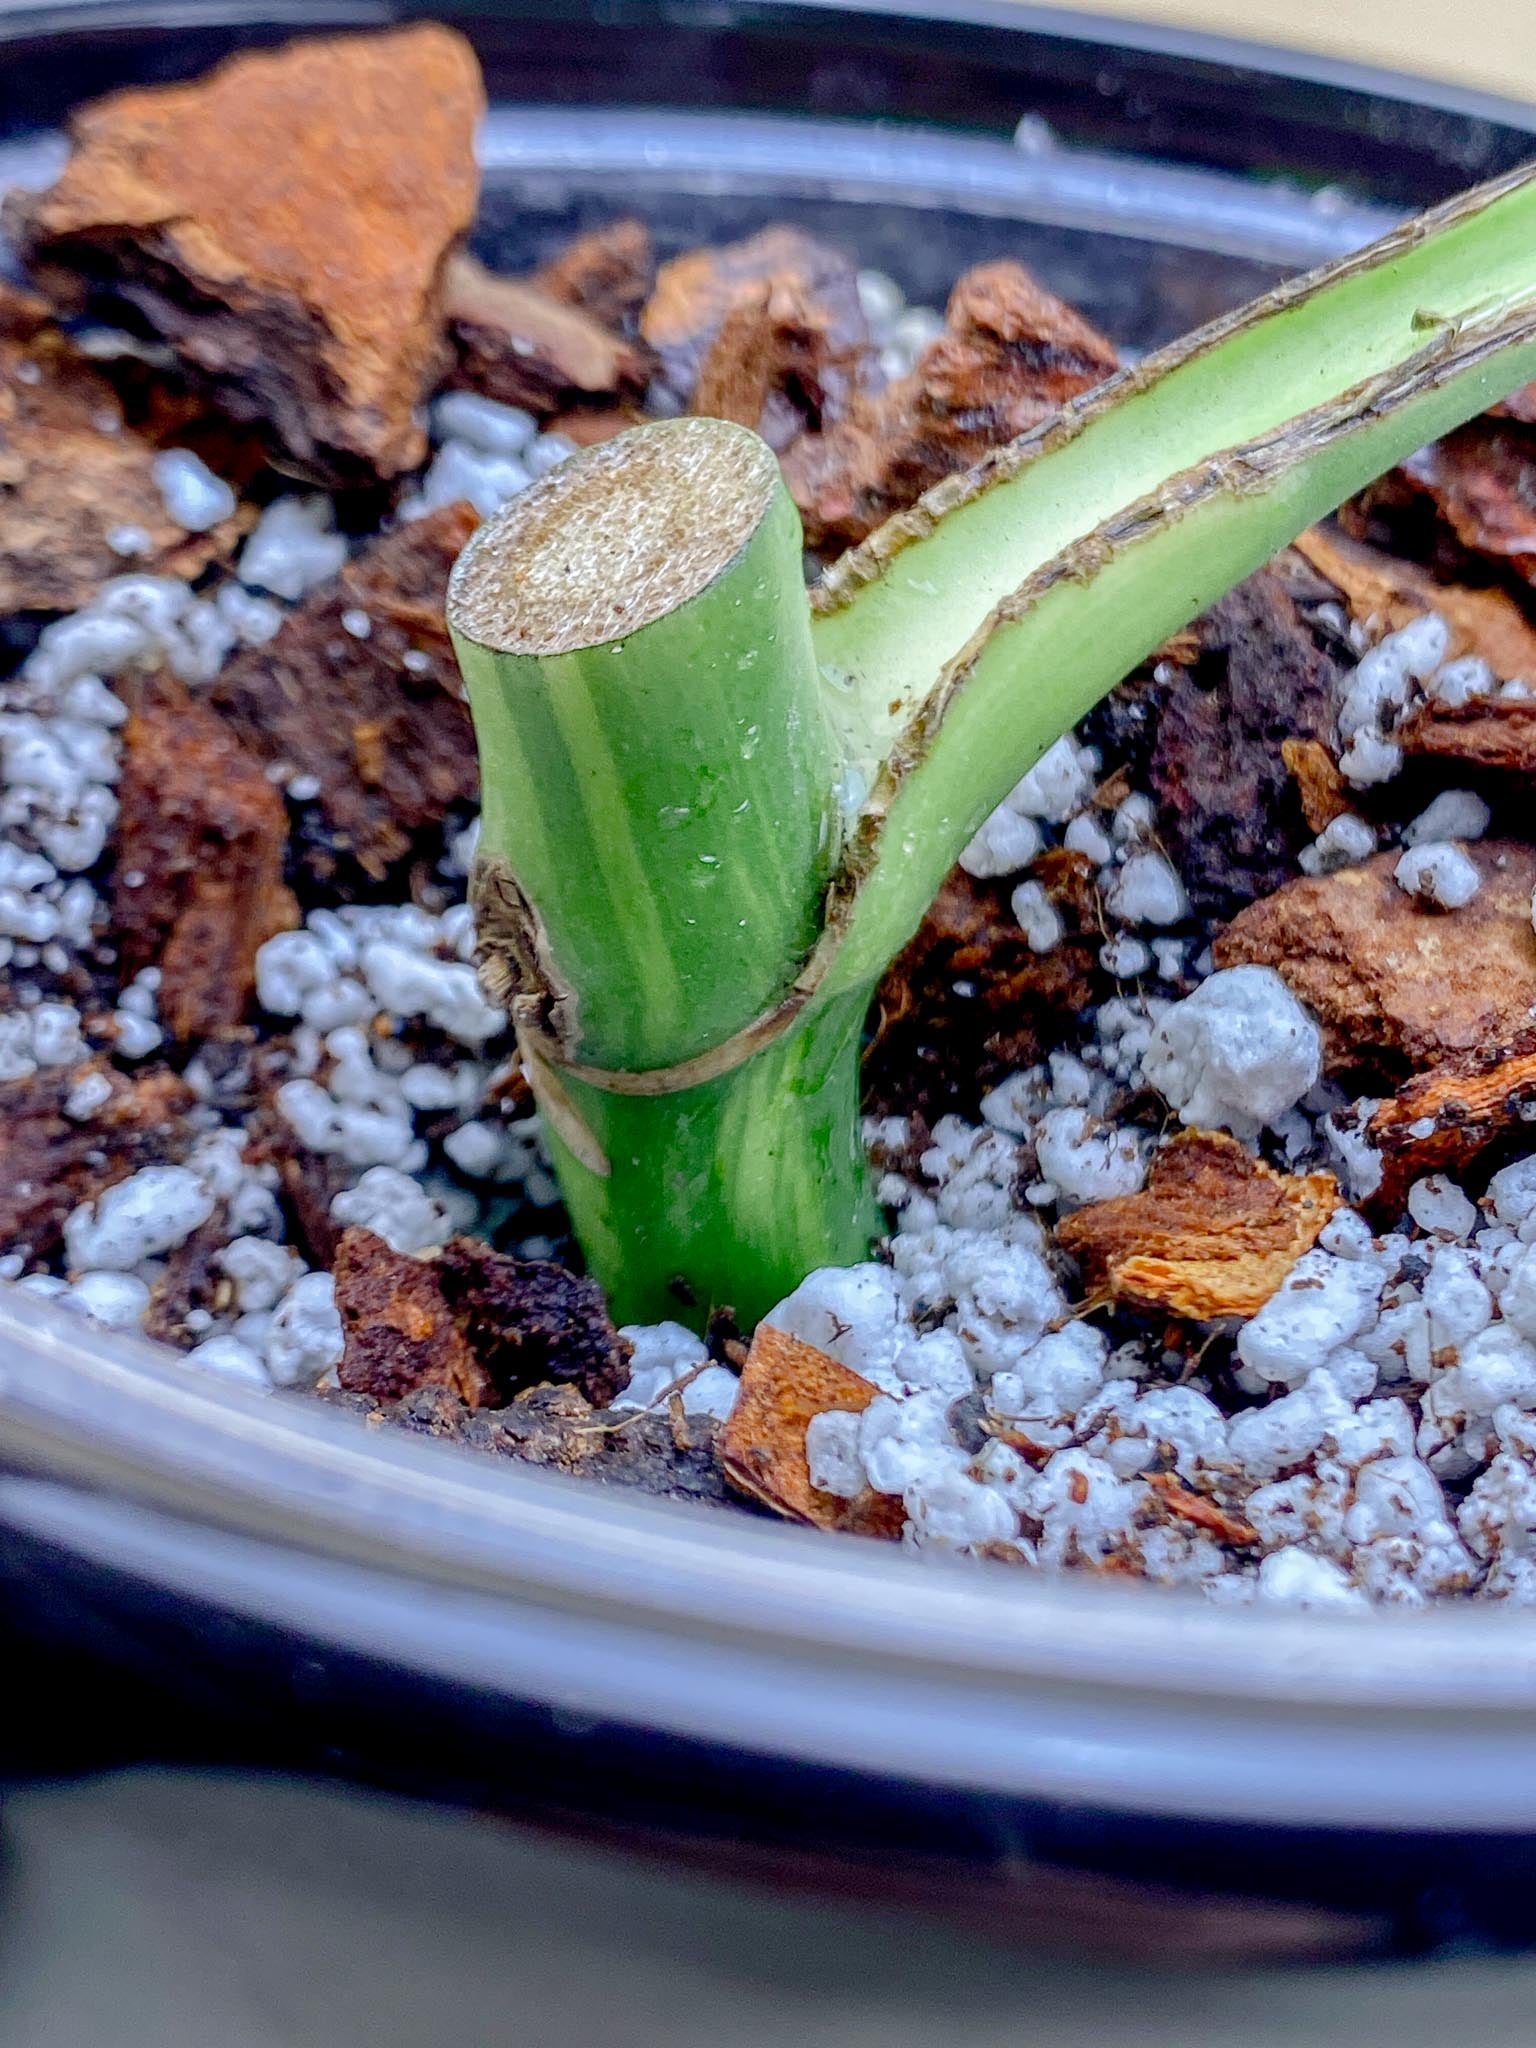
[1083, 621]
[894, 611]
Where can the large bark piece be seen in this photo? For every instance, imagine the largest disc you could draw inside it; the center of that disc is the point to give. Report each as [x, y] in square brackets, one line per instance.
[198, 885]
[1010, 356]
[283, 225]
[1395, 984]
[375, 716]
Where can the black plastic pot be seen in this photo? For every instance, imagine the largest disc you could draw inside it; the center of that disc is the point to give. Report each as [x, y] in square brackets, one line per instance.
[212, 1574]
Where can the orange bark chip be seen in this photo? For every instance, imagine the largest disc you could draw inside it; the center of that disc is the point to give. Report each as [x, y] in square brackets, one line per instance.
[1441, 1122]
[1320, 787]
[1389, 979]
[1213, 1233]
[762, 1447]
[282, 224]
[1381, 589]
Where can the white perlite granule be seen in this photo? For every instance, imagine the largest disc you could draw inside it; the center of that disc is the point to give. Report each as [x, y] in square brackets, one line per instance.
[1039, 919]
[668, 1358]
[295, 547]
[1454, 814]
[1147, 890]
[153, 1211]
[1438, 873]
[194, 497]
[1007, 842]
[1235, 1055]
[1343, 844]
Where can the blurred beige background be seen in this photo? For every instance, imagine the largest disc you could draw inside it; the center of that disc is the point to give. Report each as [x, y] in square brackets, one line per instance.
[1488, 43]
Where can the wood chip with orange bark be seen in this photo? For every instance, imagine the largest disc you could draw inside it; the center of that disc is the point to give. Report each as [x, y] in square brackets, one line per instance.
[784, 1382]
[1443, 1121]
[1386, 593]
[1320, 787]
[1213, 1233]
[282, 225]
[1394, 984]
[398, 1330]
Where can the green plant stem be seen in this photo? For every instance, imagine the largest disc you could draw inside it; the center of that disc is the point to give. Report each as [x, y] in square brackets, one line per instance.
[1084, 620]
[659, 822]
[665, 795]
[733, 1191]
[893, 612]
[708, 826]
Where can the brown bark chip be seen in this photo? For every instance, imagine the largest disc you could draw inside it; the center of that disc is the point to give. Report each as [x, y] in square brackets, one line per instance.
[1392, 982]
[1227, 808]
[50, 1162]
[198, 885]
[762, 1444]
[282, 224]
[1445, 1120]
[378, 718]
[1482, 481]
[1011, 355]
[520, 346]
[1489, 734]
[399, 1331]
[968, 1000]
[528, 1320]
[1383, 592]
[697, 293]
[71, 475]
[1320, 788]
[773, 366]
[607, 272]
[1213, 1233]
[473, 1320]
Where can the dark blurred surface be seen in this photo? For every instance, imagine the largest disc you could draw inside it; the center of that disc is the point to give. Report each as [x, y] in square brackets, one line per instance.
[197, 1911]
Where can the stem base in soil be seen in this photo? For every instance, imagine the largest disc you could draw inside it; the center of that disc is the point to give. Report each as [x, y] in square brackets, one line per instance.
[730, 1193]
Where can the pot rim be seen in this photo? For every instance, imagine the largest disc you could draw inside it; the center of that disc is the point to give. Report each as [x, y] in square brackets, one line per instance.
[770, 1638]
